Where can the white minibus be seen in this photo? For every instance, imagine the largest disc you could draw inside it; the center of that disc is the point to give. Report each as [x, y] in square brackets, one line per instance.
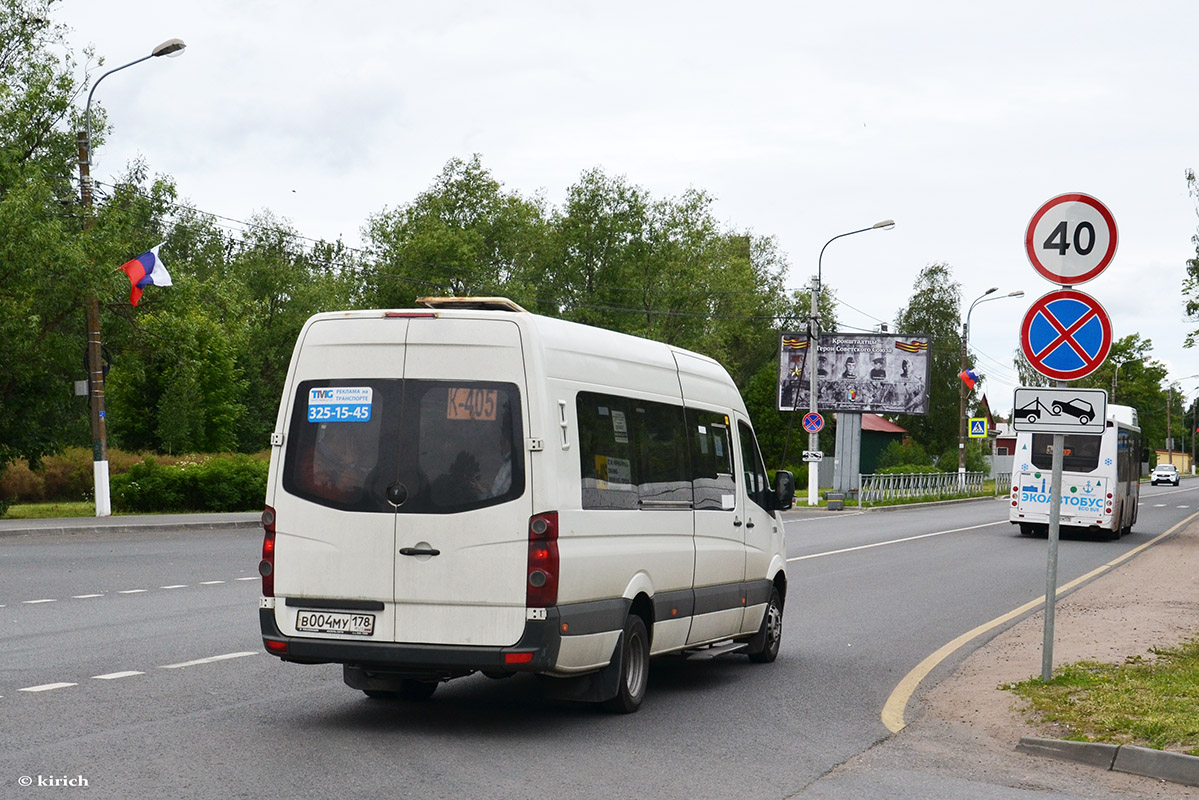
[1100, 478]
[469, 487]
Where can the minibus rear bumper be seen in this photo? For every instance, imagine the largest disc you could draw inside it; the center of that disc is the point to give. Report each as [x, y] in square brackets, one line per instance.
[536, 651]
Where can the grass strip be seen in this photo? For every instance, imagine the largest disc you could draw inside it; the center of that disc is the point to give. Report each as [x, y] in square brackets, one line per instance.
[1150, 702]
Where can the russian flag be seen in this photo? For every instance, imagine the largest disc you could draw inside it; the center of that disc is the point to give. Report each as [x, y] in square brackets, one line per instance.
[969, 377]
[143, 271]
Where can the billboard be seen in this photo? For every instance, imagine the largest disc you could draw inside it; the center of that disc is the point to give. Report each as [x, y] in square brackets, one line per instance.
[880, 373]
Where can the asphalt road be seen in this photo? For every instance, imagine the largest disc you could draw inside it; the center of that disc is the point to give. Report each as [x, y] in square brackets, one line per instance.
[132, 661]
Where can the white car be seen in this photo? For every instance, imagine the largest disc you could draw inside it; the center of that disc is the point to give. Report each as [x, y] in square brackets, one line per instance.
[1165, 473]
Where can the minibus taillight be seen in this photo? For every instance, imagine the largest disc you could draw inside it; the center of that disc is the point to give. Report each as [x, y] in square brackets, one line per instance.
[541, 588]
[266, 567]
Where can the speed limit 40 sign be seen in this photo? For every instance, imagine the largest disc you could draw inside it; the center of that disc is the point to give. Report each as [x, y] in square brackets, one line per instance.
[1071, 239]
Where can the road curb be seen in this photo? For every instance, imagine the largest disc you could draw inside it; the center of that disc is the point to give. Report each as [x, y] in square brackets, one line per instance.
[12, 528]
[1145, 761]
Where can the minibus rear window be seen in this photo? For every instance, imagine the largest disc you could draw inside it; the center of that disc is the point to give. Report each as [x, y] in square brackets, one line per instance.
[442, 447]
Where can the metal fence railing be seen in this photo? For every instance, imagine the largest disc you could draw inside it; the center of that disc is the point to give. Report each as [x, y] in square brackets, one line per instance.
[1003, 483]
[878, 488]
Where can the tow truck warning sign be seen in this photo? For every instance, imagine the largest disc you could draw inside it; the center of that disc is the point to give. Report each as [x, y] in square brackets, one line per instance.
[1041, 409]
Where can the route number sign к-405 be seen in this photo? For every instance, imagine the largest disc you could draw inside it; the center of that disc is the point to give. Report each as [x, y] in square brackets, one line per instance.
[1071, 239]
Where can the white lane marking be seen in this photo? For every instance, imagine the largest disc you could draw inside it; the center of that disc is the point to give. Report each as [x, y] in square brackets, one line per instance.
[1159, 505]
[125, 591]
[46, 687]
[112, 676]
[209, 660]
[1183, 506]
[896, 541]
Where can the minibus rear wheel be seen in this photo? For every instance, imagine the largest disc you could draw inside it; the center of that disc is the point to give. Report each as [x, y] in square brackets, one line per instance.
[634, 667]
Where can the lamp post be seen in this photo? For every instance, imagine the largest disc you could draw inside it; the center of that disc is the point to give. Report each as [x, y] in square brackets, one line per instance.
[1169, 419]
[1116, 379]
[95, 368]
[983, 298]
[813, 348]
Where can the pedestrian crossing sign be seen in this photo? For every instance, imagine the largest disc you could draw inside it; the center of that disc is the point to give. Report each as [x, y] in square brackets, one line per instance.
[978, 427]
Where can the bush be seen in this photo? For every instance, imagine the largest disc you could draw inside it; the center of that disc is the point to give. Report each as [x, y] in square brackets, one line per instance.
[209, 483]
[221, 483]
[908, 469]
[18, 483]
[147, 487]
[236, 483]
[905, 456]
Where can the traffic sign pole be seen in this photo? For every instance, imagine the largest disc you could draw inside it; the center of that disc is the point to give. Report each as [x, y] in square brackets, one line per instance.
[1055, 524]
[1066, 334]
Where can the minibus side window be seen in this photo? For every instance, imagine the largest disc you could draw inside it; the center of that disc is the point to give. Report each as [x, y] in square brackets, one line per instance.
[632, 453]
[712, 470]
[605, 452]
[663, 471]
[757, 484]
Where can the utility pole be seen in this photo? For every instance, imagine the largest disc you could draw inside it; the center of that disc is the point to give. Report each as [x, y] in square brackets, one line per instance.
[95, 354]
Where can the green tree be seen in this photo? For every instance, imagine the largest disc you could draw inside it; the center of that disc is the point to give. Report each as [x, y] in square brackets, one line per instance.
[462, 236]
[934, 310]
[279, 284]
[1028, 376]
[612, 256]
[257, 290]
[1190, 284]
[665, 270]
[183, 393]
[44, 275]
[1134, 378]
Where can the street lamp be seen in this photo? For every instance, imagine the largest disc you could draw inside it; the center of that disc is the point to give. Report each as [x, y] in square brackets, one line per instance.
[813, 347]
[983, 298]
[1116, 378]
[95, 368]
[1169, 420]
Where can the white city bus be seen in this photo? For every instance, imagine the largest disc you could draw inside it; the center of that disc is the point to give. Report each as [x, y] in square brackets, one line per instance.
[1100, 478]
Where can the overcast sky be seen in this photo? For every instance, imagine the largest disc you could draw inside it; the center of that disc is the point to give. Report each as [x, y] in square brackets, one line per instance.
[804, 120]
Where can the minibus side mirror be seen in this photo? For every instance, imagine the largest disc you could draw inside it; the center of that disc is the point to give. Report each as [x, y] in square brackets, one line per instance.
[784, 490]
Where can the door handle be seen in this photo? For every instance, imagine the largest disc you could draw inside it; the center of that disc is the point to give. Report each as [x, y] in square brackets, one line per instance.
[419, 551]
[736, 522]
[749, 523]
